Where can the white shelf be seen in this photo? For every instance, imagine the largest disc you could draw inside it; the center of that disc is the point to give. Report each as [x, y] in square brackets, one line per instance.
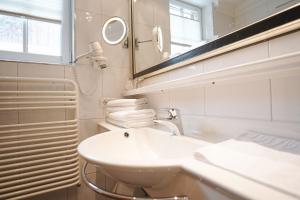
[287, 62]
[109, 126]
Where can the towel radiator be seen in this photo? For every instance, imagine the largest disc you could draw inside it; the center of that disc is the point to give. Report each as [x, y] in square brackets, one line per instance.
[37, 153]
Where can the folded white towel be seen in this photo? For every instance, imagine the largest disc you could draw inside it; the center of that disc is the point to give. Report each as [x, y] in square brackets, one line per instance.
[131, 124]
[124, 108]
[132, 115]
[126, 102]
[274, 168]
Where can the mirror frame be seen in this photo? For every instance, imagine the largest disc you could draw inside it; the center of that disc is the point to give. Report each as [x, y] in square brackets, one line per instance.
[122, 21]
[273, 26]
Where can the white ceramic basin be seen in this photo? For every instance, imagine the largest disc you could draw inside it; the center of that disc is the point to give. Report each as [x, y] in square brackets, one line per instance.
[147, 157]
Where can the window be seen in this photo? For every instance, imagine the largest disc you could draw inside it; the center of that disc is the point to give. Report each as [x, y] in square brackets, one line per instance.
[36, 30]
[186, 26]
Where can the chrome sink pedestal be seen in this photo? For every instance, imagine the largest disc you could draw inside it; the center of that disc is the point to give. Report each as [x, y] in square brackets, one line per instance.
[104, 192]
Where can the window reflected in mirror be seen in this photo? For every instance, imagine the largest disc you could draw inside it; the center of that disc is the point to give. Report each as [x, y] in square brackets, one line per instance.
[187, 24]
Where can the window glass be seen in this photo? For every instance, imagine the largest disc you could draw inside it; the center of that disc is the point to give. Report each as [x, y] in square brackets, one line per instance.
[176, 49]
[47, 9]
[44, 38]
[11, 33]
[186, 26]
[36, 30]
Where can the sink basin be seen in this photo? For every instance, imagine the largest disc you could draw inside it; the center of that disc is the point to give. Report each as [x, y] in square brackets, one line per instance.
[140, 157]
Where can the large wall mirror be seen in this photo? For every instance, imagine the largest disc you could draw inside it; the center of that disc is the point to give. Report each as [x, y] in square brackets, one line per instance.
[191, 28]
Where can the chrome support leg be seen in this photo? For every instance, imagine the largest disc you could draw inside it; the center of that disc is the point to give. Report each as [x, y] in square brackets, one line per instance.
[119, 196]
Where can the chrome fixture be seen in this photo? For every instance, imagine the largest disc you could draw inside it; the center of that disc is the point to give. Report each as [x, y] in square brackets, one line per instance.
[171, 126]
[120, 196]
[171, 115]
[157, 39]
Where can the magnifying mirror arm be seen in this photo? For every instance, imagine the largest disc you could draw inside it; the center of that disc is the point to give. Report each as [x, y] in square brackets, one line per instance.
[137, 42]
[144, 41]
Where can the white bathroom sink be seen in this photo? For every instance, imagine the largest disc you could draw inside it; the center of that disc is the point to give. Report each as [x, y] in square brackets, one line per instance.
[145, 157]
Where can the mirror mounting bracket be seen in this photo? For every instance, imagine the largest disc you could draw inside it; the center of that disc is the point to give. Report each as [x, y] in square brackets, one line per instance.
[125, 44]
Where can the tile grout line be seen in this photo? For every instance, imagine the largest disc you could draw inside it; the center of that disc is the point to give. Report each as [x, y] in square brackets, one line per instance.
[18, 90]
[270, 87]
[271, 100]
[204, 101]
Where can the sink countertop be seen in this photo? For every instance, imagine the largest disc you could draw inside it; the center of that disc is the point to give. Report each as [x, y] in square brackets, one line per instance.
[228, 181]
[222, 179]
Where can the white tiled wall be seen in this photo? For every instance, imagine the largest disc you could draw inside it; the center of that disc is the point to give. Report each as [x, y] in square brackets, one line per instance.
[194, 95]
[286, 99]
[226, 109]
[90, 17]
[244, 100]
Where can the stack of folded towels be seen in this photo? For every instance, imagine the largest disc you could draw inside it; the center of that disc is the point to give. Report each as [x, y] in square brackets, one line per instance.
[129, 113]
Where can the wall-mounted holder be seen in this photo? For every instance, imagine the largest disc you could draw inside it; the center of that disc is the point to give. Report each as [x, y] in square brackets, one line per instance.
[95, 54]
[126, 44]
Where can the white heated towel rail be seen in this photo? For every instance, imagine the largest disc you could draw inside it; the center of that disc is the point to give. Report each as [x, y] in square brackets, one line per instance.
[38, 136]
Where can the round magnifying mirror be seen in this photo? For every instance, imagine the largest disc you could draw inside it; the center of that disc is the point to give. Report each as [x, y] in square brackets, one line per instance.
[114, 30]
[158, 38]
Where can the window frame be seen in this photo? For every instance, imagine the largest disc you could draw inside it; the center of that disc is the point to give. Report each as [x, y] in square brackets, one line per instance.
[67, 38]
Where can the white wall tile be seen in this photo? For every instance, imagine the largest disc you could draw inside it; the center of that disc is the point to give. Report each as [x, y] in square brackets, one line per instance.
[159, 100]
[89, 107]
[191, 125]
[114, 80]
[209, 129]
[40, 70]
[118, 8]
[248, 54]
[116, 55]
[9, 117]
[243, 100]
[286, 98]
[285, 44]
[216, 129]
[87, 128]
[8, 68]
[89, 81]
[89, 5]
[190, 101]
[88, 29]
